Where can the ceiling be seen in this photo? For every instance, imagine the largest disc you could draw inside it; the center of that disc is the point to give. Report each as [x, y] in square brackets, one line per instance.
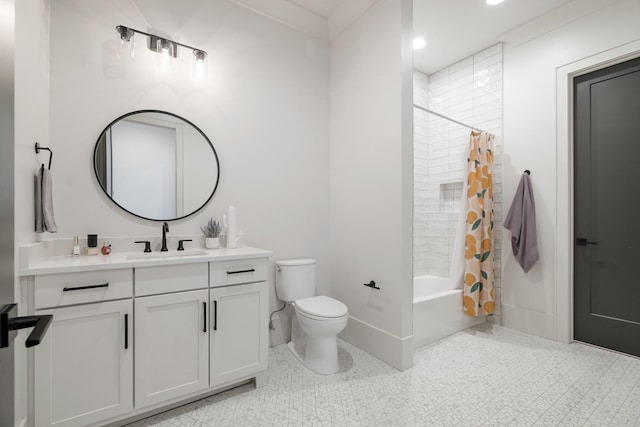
[323, 8]
[454, 29]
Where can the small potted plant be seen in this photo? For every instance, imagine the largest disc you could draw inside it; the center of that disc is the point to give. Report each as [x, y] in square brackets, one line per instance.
[211, 234]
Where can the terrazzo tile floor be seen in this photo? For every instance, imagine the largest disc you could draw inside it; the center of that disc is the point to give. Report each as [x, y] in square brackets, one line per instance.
[484, 376]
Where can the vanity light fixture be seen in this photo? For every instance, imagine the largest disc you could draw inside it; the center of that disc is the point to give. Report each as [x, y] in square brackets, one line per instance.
[199, 64]
[158, 44]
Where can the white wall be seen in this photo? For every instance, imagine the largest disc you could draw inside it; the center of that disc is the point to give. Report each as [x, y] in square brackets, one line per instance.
[469, 91]
[371, 167]
[31, 125]
[264, 105]
[529, 300]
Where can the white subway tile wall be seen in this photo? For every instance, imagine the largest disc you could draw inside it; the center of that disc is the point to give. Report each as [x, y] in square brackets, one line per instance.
[469, 91]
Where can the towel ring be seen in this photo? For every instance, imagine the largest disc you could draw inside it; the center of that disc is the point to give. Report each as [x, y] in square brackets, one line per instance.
[38, 148]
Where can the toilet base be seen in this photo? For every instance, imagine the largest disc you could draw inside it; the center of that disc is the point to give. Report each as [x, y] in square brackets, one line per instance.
[318, 350]
[320, 355]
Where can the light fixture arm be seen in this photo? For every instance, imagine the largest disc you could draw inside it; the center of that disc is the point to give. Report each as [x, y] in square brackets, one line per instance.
[126, 33]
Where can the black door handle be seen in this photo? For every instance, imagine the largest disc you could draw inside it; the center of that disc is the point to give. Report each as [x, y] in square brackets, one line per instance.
[8, 323]
[581, 241]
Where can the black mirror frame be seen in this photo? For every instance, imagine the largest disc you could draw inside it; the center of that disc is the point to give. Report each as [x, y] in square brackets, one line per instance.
[215, 154]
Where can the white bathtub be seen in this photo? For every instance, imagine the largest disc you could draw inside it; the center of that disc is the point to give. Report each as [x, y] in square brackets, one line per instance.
[437, 310]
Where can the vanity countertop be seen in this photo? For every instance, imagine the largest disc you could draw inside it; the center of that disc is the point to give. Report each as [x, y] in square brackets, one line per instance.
[78, 263]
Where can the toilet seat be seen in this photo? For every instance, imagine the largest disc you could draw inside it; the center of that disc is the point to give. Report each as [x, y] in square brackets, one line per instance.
[321, 307]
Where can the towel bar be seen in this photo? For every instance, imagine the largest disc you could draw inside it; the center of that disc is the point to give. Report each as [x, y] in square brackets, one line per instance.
[38, 148]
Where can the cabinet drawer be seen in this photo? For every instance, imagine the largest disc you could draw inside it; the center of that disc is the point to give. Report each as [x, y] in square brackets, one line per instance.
[170, 278]
[238, 271]
[53, 290]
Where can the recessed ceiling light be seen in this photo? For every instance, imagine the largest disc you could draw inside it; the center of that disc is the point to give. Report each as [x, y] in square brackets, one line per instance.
[493, 2]
[419, 43]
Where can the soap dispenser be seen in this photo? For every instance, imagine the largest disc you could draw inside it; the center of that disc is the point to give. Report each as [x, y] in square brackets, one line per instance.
[229, 221]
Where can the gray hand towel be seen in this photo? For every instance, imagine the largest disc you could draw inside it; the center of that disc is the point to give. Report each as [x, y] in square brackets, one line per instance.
[521, 221]
[45, 220]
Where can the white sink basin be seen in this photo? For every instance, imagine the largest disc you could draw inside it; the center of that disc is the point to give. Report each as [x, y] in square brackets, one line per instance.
[168, 254]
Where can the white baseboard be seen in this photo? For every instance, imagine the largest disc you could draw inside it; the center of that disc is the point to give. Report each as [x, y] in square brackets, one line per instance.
[396, 351]
[529, 321]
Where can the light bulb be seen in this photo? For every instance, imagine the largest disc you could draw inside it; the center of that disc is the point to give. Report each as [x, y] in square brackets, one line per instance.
[127, 45]
[199, 64]
[419, 43]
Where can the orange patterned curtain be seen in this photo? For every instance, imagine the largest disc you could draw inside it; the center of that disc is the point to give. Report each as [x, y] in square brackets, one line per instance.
[479, 297]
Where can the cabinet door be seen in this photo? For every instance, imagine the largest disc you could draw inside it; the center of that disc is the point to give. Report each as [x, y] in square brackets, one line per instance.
[84, 365]
[239, 335]
[171, 346]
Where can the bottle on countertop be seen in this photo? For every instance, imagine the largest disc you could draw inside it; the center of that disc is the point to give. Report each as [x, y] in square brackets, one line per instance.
[75, 248]
[106, 249]
[92, 244]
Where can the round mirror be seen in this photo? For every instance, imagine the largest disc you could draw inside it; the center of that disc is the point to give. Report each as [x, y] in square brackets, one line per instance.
[156, 165]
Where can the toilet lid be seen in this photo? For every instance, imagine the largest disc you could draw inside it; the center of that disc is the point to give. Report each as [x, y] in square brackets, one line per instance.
[321, 306]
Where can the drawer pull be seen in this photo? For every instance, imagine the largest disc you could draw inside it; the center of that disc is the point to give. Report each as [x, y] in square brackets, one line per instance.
[81, 288]
[241, 271]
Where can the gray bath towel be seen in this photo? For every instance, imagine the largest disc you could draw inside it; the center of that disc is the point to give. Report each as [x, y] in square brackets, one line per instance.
[521, 221]
[45, 220]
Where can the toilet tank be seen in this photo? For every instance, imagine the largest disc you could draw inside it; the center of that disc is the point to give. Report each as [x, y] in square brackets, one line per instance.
[295, 279]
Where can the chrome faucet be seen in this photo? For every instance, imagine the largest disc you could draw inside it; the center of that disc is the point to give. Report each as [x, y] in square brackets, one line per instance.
[165, 229]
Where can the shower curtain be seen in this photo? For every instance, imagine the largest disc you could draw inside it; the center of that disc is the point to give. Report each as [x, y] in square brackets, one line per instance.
[478, 289]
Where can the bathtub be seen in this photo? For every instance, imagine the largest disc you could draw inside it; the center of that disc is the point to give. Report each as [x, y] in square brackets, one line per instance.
[437, 310]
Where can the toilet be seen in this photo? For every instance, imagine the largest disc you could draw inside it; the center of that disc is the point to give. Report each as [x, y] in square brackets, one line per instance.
[318, 319]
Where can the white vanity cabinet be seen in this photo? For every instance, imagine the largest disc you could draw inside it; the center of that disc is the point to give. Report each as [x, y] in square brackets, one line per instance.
[130, 336]
[84, 365]
[171, 330]
[239, 320]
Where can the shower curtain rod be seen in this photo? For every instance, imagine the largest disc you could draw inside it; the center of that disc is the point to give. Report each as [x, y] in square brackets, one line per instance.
[448, 118]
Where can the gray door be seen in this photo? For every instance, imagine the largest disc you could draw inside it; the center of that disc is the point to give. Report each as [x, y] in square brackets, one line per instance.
[607, 208]
[7, 277]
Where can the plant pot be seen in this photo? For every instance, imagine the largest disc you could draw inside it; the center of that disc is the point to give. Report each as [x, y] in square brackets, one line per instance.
[212, 242]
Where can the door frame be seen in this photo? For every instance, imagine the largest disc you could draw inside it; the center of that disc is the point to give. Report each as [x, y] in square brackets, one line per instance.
[564, 236]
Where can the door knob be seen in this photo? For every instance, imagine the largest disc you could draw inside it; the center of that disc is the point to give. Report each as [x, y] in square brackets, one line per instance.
[10, 323]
